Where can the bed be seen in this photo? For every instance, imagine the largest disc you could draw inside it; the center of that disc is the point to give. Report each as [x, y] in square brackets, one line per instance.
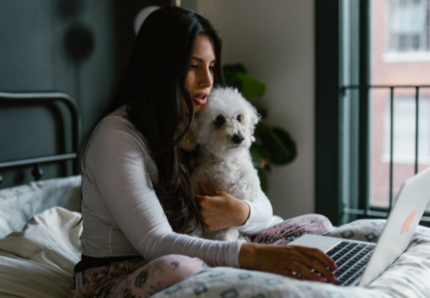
[40, 232]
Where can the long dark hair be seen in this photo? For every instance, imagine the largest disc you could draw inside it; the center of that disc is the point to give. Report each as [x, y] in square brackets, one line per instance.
[152, 86]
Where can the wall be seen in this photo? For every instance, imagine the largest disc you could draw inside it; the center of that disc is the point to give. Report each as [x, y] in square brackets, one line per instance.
[274, 39]
[36, 55]
[74, 46]
[38, 38]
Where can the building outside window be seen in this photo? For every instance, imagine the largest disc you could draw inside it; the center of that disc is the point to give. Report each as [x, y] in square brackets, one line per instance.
[408, 29]
[400, 55]
[363, 47]
[404, 131]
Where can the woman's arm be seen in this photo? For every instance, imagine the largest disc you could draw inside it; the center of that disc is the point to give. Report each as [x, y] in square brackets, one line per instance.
[221, 210]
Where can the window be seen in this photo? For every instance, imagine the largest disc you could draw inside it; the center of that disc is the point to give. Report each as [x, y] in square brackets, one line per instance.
[408, 43]
[356, 45]
[404, 131]
[408, 26]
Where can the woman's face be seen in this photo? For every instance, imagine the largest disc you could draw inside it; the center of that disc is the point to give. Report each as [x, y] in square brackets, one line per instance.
[200, 75]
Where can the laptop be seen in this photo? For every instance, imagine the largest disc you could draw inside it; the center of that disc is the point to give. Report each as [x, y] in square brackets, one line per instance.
[360, 262]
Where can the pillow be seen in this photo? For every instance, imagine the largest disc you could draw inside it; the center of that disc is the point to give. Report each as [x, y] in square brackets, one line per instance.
[18, 204]
[39, 261]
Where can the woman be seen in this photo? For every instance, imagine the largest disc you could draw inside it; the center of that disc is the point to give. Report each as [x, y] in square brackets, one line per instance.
[137, 200]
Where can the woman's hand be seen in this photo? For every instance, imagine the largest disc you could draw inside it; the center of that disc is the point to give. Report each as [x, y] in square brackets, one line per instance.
[290, 260]
[220, 210]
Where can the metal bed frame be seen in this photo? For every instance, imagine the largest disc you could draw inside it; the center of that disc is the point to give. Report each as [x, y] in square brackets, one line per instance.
[45, 99]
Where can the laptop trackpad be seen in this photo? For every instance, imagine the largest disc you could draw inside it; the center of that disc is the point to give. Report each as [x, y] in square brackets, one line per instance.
[316, 241]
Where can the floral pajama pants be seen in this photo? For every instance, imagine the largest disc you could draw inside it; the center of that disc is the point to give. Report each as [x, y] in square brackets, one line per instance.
[139, 278]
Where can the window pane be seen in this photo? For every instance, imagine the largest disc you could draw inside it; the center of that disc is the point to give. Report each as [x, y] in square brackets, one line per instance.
[404, 129]
[406, 24]
[400, 55]
[416, 42]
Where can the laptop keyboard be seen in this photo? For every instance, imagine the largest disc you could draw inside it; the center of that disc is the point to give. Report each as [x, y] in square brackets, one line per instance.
[351, 259]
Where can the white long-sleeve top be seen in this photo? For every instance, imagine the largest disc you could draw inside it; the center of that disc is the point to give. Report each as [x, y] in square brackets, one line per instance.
[122, 215]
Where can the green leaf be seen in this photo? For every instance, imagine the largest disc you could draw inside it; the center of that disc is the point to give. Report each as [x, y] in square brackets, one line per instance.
[251, 88]
[236, 76]
[232, 81]
[262, 111]
[263, 180]
[258, 154]
[288, 142]
[230, 71]
[279, 144]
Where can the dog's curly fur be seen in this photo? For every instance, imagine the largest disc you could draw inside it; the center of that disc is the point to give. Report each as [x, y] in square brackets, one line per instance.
[224, 132]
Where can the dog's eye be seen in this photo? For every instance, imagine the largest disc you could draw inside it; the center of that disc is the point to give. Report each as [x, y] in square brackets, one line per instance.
[239, 118]
[219, 121]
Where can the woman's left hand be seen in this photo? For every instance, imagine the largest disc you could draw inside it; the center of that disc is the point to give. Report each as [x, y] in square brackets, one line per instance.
[221, 210]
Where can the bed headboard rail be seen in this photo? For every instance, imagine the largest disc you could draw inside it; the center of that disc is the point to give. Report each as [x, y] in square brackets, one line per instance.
[45, 98]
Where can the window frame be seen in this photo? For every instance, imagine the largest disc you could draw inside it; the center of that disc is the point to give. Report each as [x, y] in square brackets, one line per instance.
[328, 75]
[342, 173]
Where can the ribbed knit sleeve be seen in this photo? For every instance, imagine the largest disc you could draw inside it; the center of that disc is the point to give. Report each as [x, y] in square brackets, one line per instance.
[261, 213]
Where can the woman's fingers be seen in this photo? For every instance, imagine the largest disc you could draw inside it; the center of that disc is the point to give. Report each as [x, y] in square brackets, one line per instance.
[200, 198]
[294, 275]
[322, 269]
[206, 190]
[205, 205]
[320, 255]
[290, 260]
[305, 271]
[315, 259]
[221, 210]
[202, 201]
[209, 213]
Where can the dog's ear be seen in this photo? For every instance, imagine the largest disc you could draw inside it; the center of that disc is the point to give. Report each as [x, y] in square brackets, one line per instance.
[254, 118]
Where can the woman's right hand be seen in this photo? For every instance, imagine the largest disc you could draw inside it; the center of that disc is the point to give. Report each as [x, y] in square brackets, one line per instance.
[289, 260]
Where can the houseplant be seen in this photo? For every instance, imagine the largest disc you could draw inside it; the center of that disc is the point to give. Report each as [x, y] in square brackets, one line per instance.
[273, 145]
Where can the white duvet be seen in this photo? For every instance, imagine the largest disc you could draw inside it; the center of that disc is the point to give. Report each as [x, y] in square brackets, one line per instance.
[38, 262]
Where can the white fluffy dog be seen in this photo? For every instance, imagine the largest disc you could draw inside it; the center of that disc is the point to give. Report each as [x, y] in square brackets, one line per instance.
[224, 132]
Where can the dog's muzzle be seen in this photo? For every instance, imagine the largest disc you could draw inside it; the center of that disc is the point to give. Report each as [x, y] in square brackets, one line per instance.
[237, 138]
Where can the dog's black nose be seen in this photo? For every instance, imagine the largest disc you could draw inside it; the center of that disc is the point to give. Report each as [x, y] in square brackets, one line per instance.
[238, 138]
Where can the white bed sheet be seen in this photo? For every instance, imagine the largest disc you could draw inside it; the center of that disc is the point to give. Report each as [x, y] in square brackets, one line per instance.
[38, 262]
